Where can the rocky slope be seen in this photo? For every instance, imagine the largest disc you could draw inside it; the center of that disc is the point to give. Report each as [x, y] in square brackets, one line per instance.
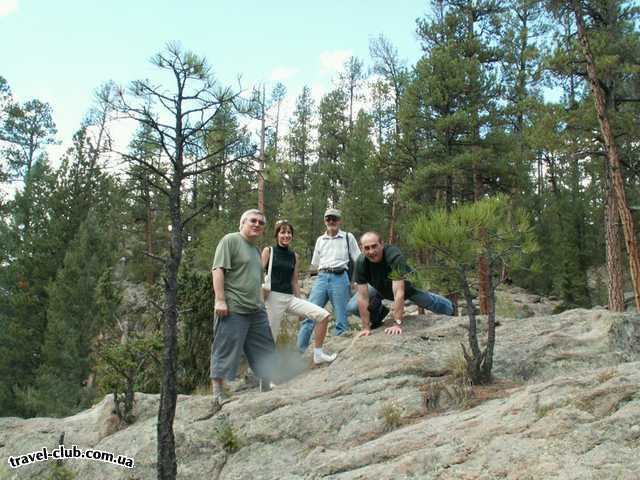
[565, 405]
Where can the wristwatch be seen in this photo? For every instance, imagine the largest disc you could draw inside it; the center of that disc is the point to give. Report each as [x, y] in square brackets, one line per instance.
[398, 322]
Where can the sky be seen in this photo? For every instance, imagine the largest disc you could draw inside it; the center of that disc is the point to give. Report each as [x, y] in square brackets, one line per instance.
[61, 51]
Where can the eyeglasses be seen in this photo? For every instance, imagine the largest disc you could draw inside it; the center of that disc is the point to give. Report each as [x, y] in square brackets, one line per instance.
[331, 218]
[279, 222]
[255, 221]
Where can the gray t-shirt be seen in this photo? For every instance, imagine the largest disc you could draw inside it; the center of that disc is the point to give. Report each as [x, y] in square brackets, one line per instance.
[240, 260]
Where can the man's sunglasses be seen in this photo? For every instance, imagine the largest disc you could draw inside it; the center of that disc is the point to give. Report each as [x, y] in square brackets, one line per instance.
[331, 218]
[255, 221]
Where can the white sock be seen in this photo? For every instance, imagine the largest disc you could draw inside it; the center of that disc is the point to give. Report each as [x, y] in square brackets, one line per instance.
[317, 352]
[218, 389]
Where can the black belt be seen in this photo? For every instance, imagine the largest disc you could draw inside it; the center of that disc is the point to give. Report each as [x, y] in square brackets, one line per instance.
[336, 271]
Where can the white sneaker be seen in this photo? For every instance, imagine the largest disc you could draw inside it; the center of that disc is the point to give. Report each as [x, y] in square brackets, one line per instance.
[323, 358]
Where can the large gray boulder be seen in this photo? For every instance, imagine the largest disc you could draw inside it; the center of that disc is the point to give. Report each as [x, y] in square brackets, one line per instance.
[565, 405]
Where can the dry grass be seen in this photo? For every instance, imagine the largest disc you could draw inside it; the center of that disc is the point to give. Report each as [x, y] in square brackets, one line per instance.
[448, 393]
[202, 390]
[391, 416]
[607, 375]
[451, 391]
[456, 365]
[445, 394]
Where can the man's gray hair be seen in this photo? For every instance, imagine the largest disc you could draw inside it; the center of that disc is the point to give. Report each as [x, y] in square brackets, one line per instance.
[253, 211]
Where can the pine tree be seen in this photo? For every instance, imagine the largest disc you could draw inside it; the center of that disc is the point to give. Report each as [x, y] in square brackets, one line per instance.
[362, 202]
[62, 384]
[332, 140]
[387, 94]
[300, 144]
[192, 105]
[30, 266]
[453, 239]
[352, 79]
[610, 35]
[453, 100]
[26, 130]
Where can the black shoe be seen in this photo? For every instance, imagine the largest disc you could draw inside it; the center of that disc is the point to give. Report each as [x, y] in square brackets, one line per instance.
[216, 405]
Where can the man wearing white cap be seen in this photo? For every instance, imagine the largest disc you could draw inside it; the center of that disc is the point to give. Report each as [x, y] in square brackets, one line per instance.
[331, 257]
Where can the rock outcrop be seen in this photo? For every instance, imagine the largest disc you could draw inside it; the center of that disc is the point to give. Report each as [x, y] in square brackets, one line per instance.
[565, 405]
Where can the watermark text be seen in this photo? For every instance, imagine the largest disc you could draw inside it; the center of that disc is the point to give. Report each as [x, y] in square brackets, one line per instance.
[63, 453]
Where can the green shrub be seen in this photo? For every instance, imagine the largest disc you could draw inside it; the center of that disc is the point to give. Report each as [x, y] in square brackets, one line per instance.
[225, 435]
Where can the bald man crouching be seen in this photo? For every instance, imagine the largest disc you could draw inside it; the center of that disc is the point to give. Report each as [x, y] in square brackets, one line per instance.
[382, 268]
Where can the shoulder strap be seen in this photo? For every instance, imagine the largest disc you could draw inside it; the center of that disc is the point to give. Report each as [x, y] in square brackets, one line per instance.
[348, 251]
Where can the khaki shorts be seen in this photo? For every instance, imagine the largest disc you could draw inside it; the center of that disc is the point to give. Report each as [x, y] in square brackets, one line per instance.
[280, 303]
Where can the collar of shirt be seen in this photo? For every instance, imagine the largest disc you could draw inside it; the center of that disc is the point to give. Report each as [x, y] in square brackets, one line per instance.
[330, 253]
[326, 236]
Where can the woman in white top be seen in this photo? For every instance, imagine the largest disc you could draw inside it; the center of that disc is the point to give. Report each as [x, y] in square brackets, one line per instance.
[284, 296]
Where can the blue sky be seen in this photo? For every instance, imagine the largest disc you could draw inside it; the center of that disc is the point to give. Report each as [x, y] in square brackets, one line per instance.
[61, 51]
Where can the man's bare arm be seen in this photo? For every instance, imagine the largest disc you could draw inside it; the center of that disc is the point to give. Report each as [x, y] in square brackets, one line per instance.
[398, 307]
[221, 308]
[398, 299]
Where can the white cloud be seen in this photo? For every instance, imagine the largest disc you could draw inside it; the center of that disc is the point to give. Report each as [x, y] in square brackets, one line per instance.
[331, 62]
[317, 92]
[281, 74]
[7, 7]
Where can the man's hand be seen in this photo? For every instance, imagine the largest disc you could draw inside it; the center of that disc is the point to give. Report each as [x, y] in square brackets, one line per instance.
[394, 330]
[364, 333]
[221, 308]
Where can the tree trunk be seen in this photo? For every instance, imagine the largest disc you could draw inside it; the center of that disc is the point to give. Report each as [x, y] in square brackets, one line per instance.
[394, 214]
[614, 251]
[277, 128]
[474, 357]
[487, 360]
[262, 155]
[626, 218]
[483, 280]
[483, 267]
[167, 465]
[148, 233]
[129, 397]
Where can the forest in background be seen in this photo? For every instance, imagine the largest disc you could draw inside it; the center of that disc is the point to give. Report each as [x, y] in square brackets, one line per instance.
[85, 247]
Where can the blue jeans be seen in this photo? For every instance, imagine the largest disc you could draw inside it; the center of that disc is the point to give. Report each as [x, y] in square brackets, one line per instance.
[428, 300]
[327, 287]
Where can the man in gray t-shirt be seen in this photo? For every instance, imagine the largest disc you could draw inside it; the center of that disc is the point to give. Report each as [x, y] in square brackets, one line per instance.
[239, 259]
[241, 324]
